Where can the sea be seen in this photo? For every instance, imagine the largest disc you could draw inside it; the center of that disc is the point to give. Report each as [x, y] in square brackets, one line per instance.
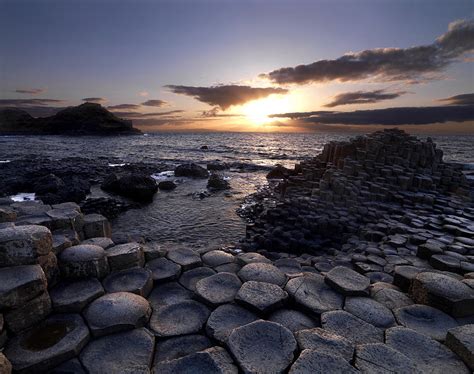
[188, 216]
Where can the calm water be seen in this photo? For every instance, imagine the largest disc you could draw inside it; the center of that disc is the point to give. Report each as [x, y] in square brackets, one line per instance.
[178, 216]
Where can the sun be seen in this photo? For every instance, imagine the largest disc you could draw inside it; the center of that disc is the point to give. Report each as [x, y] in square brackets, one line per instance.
[257, 112]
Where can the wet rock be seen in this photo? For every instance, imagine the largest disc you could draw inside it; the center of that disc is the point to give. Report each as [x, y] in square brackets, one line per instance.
[218, 289]
[369, 311]
[116, 312]
[189, 278]
[96, 225]
[167, 185]
[69, 297]
[262, 272]
[53, 341]
[126, 352]
[186, 258]
[278, 172]
[138, 187]
[261, 297]
[125, 256]
[136, 280]
[318, 362]
[83, 261]
[276, 347]
[191, 170]
[217, 182]
[163, 270]
[293, 320]
[347, 281]
[380, 358]
[461, 341]
[216, 258]
[29, 314]
[180, 346]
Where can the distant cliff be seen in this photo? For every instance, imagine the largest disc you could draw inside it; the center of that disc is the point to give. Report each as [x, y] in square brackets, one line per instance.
[85, 119]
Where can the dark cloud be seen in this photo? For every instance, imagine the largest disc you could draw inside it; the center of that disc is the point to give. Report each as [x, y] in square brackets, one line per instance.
[124, 107]
[96, 100]
[155, 103]
[385, 64]
[148, 115]
[31, 91]
[226, 96]
[363, 97]
[28, 102]
[294, 115]
[390, 116]
[464, 99]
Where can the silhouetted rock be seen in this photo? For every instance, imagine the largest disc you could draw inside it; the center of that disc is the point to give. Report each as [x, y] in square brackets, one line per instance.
[217, 182]
[167, 185]
[139, 187]
[279, 172]
[190, 170]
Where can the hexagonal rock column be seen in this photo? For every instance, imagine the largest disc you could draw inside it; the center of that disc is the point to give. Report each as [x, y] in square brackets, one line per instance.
[96, 225]
[83, 261]
[262, 272]
[125, 256]
[378, 357]
[325, 342]
[163, 270]
[261, 297]
[189, 278]
[29, 313]
[125, 352]
[218, 289]
[461, 341]
[22, 245]
[347, 281]
[180, 346]
[262, 347]
[68, 297]
[65, 219]
[443, 292]
[318, 362]
[216, 258]
[293, 320]
[136, 280]
[369, 311]
[116, 312]
[53, 341]
[186, 258]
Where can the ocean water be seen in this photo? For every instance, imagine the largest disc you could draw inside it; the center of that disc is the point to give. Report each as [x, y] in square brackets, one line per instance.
[180, 217]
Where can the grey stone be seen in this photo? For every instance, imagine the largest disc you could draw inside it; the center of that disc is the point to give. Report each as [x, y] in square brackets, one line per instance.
[103, 242]
[72, 366]
[218, 289]
[403, 276]
[262, 272]
[180, 346]
[250, 257]
[369, 311]
[163, 270]
[20, 284]
[125, 256]
[135, 280]
[317, 362]
[461, 341]
[65, 218]
[68, 297]
[167, 294]
[261, 297]
[392, 299]
[186, 258]
[60, 242]
[216, 258]
[96, 225]
[288, 266]
[380, 358]
[29, 314]
[293, 320]
[275, 352]
[347, 281]
[128, 352]
[231, 267]
[153, 250]
[83, 261]
[189, 278]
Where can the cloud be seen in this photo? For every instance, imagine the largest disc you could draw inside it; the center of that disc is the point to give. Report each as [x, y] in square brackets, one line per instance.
[28, 102]
[124, 107]
[363, 97]
[148, 115]
[294, 115]
[143, 93]
[31, 91]
[96, 100]
[385, 64]
[464, 99]
[390, 116]
[155, 103]
[225, 96]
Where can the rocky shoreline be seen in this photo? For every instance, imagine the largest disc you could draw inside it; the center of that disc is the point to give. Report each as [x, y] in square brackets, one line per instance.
[361, 260]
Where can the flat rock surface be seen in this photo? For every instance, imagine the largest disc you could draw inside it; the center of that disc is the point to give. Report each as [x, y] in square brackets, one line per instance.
[163, 270]
[189, 278]
[262, 272]
[320, 363]
[293, 320]
[167, 294]
[392, 299]
[347, 281]
[461, 341]
[136, 280]
[380, 358]
[125, 256]
[218, 289]
[216, 258]
[260, 296]
[73, 296]
[369, 311]
[180, 346]
[184, 257]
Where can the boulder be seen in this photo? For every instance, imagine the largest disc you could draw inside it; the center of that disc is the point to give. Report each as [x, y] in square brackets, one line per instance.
[139, 187]
[217, 182]
[191, 170]
[279, 172]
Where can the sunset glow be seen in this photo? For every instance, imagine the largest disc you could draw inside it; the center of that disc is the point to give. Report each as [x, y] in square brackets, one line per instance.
[257, 112]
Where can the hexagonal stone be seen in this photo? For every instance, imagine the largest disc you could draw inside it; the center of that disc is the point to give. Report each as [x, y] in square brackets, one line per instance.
[379, 276]
[65, 218]
[293, 320]
[404, 275]
[186, 258]
[96, 225]
[68, 297]
[83, 261]
[288, 266]
[231, 267]
[214, 360]
[20, 284]
[261, 297]
[262, 272]
[369, 311]
[425, 320]
[349, 326]
[429, 355]
[163, 270]
[461, 341]
[445, 293]
[180, 346]
[167, 294]
[316, 362]
[446, 263]
[135, 280]
[218, 289]
[380, 358]
[103, 242]
[347, 281]
[325, 342]
[153, 250]
[117, 312]
[262, 347]
[126, 352]
[53, 341]
[185, 317]
[392, 299]
[250, 257]
[125, 256]
[312, 294]
[216, 258]
[71, 366]
[189, 278]
[29, 314]
[22, 245]
[225, 319]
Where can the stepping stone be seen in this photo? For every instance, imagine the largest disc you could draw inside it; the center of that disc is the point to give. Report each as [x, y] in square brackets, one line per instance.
[22, 245]
[48, 344]
[429, 355]
[261, 297]
[392, 299]
[180, 346]
[352, 328]
[83, 261]
[250, 257]
[69, 297]
[262, 347]
[348, 282]
[293, 320]
[218, 289]
[96, 225]
[288, 266]
[461, 341]
[214, 360]
[125, 352]
[101, 242]
[425, 320]
[225, 318]
[125, 256]
[325, 342]
[311, 293]
[185, 317]
[29, 314]
[316, 362]
[186, 258]
[167, 294]
[135, 280]
[380, 358]
[189, 278]
[445, 293]
[370, 311]
[20, 284]
[163, 270]
[116, 312]
[262, 272]
[216, 258]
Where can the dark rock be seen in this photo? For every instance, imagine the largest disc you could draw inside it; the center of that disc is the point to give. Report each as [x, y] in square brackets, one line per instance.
[461, 341]
[347, 281]
[279, 172]
[380, 358]
[215, 258]
[218, 289]
[317, 362]
[83, 261]
[20, 284]
[68, 297]
[369, 311]
[139, 187]
[168, 294]
[163, 270]
[261, 297]
[186, 258]
[293, 320]
[180, 346]
[136, 280]
[125, 256]
[29, 314]
[167, 185]
[262, 272]
[217, 182]
[189, 278]
[190, 170]
[325, 342]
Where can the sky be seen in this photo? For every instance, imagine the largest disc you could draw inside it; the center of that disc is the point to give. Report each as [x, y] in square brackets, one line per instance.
[222, 65]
